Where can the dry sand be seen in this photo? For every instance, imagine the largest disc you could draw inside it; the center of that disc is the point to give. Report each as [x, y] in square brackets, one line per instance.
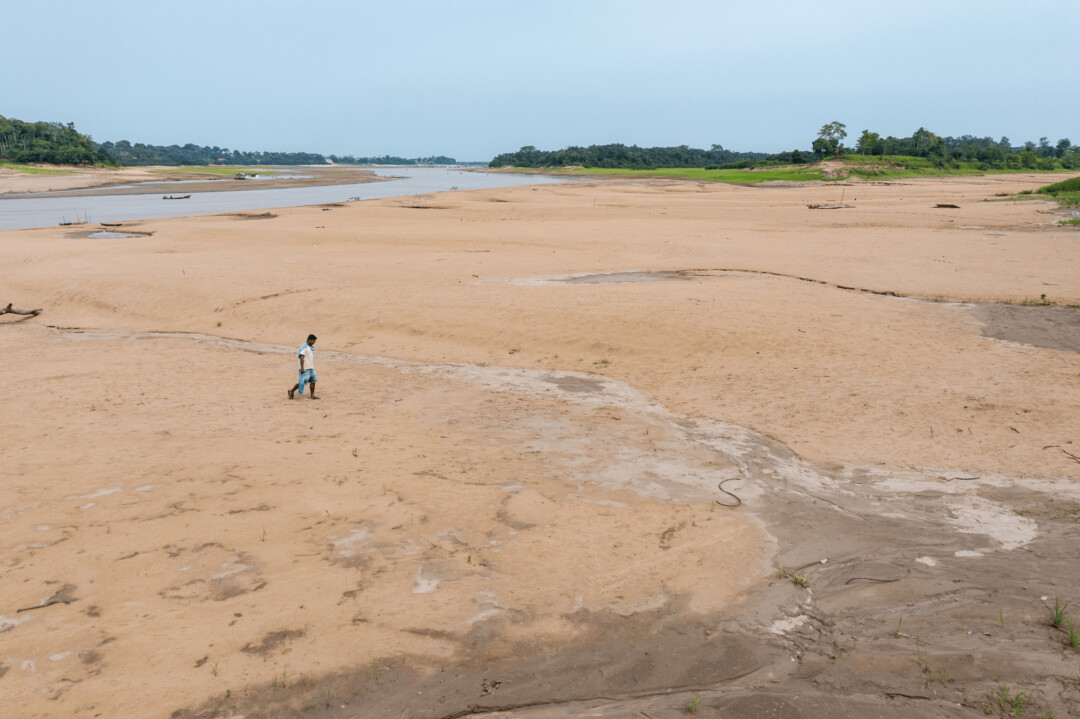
[507, 497]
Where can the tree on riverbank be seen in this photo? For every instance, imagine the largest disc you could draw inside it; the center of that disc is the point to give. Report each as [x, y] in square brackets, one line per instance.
[48, 142]
[830, 139]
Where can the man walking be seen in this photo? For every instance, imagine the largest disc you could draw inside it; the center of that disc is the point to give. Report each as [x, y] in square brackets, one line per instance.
[306, 355]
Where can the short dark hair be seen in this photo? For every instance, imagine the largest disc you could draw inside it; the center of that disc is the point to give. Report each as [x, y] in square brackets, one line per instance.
[312, 338]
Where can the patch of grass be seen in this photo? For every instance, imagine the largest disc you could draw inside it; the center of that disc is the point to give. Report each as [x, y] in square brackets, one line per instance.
[1068, 199]
[1010, 703]
[1074, 222]
[1022, 196]
[930, 674]
[693, 706]
[1041, 302]
[31, 170]
[1066, 193]
[737, 177]
[1072, 636]
[1070, 185]
[800, 579]
[1057, 614]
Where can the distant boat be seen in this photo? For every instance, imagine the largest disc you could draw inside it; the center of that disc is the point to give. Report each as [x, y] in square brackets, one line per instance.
[175, 197]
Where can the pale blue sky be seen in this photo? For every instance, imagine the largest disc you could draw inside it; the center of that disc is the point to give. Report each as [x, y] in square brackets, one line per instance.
[473, 79]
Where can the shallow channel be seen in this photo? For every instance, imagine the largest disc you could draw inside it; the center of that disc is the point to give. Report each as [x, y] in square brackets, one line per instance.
[23, 212]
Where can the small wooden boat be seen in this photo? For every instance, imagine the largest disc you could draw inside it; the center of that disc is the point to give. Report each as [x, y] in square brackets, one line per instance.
[175, 197]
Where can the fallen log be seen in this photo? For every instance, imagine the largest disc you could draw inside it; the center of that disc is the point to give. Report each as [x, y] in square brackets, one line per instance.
[827, 207]
[16, 311]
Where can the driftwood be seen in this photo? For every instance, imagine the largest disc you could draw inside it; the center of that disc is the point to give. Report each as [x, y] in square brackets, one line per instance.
[946, 205]
[827, 207]
[16, 311]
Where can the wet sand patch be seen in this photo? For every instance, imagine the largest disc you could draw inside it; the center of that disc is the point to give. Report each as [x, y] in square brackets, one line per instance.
[1040, 326]
[617, 277]
[251, 215]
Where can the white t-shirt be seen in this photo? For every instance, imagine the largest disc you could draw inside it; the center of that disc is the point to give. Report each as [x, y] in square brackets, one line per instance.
[308, 355]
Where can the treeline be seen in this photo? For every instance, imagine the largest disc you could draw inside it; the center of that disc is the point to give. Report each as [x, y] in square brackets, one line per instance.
[625, 157]
[390, 160]
[986, 152]
[50, 142]
[127, 154]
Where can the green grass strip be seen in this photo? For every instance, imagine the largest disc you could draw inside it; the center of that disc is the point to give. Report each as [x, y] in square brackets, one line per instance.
[31, 170]
[1070, 185]
[738, 177]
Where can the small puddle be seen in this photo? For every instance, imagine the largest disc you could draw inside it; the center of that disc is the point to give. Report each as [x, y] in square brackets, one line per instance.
[608, 278]
[108, 235]
[615, 277]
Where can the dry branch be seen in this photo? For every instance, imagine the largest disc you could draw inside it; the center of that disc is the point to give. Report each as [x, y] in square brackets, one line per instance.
[16, 311]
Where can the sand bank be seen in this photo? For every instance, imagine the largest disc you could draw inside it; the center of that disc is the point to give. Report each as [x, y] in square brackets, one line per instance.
[77, 181]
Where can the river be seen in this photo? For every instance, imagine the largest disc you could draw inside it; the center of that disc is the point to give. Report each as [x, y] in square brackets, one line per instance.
[26, 212]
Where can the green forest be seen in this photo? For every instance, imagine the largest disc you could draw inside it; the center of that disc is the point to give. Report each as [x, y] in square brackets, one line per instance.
[627, 157]
[126, 153]
[984, 153]
[930, 150]
[50, 142]
[59, 144]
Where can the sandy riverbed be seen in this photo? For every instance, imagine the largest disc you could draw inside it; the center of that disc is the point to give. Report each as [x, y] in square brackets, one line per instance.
[508, 493]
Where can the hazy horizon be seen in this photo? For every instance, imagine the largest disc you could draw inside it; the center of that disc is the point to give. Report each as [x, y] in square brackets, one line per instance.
[476, 79]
